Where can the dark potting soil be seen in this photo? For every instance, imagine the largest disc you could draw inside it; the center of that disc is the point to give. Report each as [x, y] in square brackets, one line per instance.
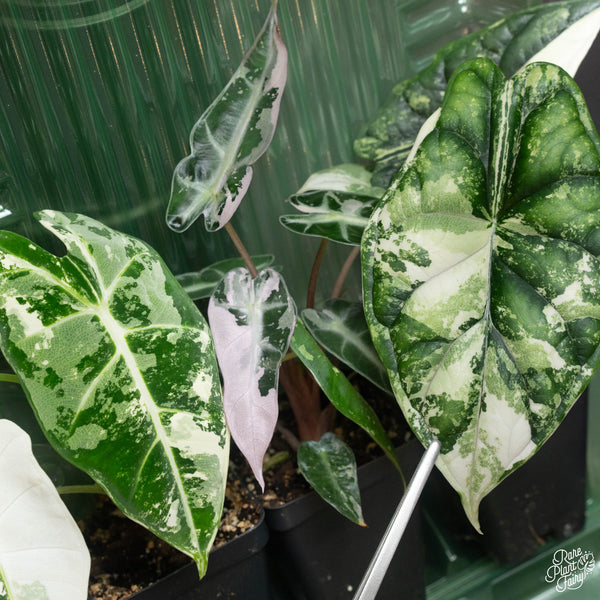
[127, 558]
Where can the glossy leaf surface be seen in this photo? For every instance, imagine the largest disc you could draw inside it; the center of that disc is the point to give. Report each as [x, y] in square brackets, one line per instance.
[510, 43]
[201, 284]
[43, 555]
[330, 468]
[230, 136]
[338, 389]
[335, 203]
[481, 276]
[120, 369]
[341, 328]
[252, 322]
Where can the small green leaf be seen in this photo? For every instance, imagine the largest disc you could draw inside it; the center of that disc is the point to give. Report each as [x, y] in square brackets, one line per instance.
[336, 204]
[339, 390]
[119, 366]
[43, 555]
[230, 136]
[329, 466]
[481, 274]
[201, 284]
[341, 328]
[510, 43]
[252, 320]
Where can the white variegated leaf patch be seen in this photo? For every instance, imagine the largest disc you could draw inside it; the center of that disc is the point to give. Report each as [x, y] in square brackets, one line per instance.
[43, 555]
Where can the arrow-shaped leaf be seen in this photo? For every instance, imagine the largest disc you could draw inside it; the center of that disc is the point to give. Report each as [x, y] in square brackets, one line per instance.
[252, 321]
[230, 136]
[481, 276]
[335, 203]
[42, 552]
[510, 43]
[341, 328]
[201, 284]
[330, 468]
[120, 369]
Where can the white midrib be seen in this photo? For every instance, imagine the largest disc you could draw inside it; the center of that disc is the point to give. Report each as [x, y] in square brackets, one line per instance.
[502, 148]
[116, 333]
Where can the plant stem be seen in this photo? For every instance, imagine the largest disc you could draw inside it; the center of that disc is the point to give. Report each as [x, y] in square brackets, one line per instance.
[337, 288]
[314, 274]
[239, 246]
[92, 488]
[9, 378]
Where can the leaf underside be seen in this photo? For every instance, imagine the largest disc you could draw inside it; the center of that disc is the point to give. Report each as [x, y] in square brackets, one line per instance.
[510, 43]
[119, 367]
[481, 272]
[252, 320]
[230, 136]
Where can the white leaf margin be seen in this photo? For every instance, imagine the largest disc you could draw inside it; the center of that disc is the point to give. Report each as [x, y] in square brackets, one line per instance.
[43, 555]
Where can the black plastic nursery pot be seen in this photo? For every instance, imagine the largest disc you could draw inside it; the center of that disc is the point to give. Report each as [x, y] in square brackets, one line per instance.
[321, 555]
[237, 569]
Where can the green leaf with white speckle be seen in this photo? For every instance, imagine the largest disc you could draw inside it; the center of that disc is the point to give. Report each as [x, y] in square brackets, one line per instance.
[43, 555]
[232, 134]
[481, 271]
[510, 43]
[335, 204]
[330, 468]
[120, 369]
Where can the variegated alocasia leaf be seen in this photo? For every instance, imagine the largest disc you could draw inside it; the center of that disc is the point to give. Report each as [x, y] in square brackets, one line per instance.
[43, 555]
[230, 136]
[330, 468]
[338, 389]
[201, 284]
[120, 369]
[252, 320]
[510, 43]
[341, 328]
[335, 203]
[481, 271]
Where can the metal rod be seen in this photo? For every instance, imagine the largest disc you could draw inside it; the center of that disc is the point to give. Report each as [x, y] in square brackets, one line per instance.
[391, 538]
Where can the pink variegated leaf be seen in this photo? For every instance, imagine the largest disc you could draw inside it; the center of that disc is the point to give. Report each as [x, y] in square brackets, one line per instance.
[232, 134]
[252, 321]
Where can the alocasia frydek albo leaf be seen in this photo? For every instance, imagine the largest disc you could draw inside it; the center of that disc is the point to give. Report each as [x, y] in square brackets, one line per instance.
[481, 271]
[252, 320]
[43, 555]
[510, 43]
[232, 134]
[120, 369]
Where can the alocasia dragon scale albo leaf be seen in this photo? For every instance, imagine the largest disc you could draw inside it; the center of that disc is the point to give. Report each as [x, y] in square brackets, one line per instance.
[119, 366]
[481, 271]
